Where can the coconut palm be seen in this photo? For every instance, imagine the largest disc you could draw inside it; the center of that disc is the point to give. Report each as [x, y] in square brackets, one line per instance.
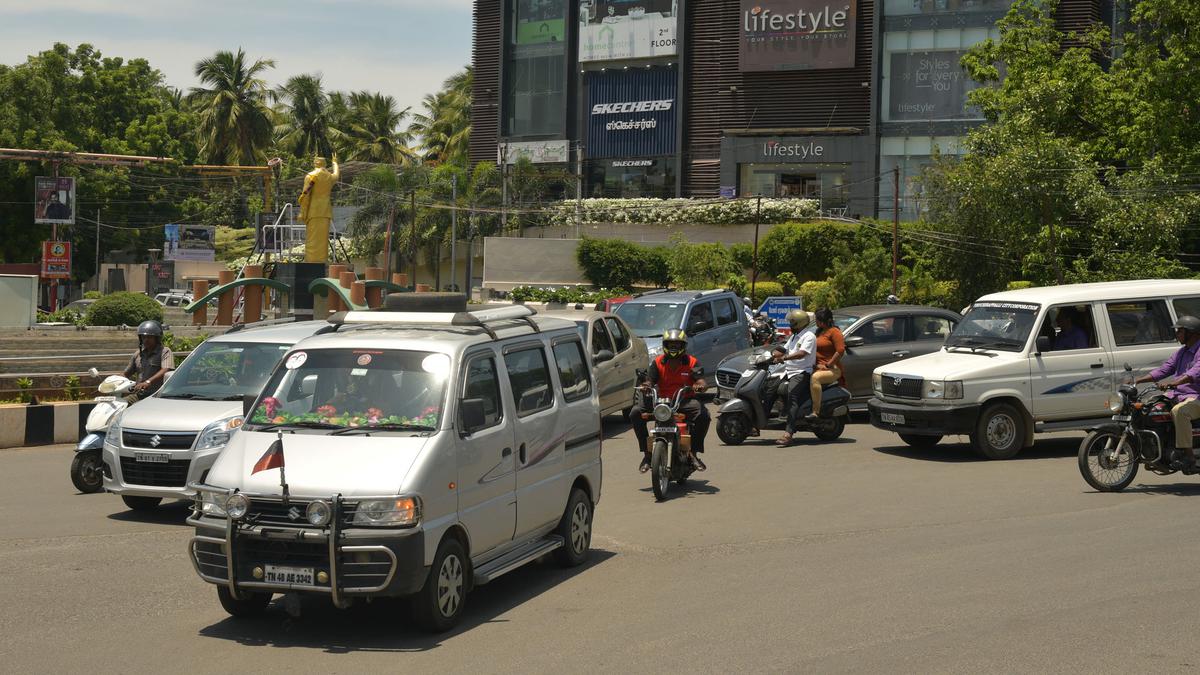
[445, 125]
[235, 121]
[307, 125]
[373, 132]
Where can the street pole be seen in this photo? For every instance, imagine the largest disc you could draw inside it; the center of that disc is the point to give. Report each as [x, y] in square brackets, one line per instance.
[754, 263]
[895, 224]
[97, 249]
[54, 237]
[454, 229]
[504, 189]
[412, 239]
[578, 189]
[387, 239]
[1058, 277]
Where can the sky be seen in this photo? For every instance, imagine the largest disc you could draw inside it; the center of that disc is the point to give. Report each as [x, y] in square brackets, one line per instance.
[404, 48]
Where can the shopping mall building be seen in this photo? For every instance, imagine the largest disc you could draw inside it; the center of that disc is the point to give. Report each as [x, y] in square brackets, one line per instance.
[812, 98]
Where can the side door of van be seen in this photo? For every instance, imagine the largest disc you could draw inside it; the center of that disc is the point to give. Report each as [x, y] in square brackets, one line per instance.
[487, 478]
[1075, 380]
[581, 425]
[1141, 334]
[539, 437]
[702, 335]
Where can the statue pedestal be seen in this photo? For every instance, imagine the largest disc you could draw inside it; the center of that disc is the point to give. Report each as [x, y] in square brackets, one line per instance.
[298, 276]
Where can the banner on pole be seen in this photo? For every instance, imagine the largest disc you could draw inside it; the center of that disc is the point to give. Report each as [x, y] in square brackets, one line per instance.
[56, 260]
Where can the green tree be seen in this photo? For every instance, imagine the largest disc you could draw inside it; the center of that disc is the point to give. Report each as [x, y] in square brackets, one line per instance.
[235, 121]
[373, 130]
[306, 126]
[444, 124]
[699, 266]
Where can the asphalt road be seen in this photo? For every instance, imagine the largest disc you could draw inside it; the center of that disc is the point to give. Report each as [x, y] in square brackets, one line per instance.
[860, 555]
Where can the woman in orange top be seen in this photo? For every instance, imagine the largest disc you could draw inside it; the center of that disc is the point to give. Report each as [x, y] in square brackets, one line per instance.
[830, 349]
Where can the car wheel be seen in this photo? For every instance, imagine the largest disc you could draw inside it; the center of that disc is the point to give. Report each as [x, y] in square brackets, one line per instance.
[920, 442]
[575, 528]
[439, 604]
[1000, 432]
[141, 503]
[244, 607]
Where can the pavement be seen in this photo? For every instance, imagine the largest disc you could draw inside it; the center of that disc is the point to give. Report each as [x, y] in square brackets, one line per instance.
[861, 555]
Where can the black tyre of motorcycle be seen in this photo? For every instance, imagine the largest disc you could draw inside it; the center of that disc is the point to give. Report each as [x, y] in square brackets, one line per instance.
[247, 606]
[921, 442]
[733, 428]
[1000, 432]
[141, 503]
[833, 431]
[660, 469]
[1109, 474]
[87, 472]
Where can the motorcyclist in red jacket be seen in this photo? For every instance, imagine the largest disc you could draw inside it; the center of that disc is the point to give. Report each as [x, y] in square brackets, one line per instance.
[670, 372]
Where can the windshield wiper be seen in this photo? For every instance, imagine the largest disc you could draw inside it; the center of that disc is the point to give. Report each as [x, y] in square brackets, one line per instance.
[381, 427]
[301, 425]
[231, 397]
[186, 397]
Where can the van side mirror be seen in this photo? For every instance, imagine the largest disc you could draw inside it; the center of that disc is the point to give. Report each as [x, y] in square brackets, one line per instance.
[855, 341]
[1044, 344]
[248, 403]
[471, 415]
[603, 355]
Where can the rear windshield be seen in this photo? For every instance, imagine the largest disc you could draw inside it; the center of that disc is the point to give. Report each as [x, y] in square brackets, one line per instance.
[651, 319]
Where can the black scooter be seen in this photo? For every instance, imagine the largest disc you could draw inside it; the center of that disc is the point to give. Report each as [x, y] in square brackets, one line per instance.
[744, 411]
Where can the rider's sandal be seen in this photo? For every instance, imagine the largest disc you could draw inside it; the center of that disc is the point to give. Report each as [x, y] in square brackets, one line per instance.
[698, 464]
[644, 466]
[784, 441]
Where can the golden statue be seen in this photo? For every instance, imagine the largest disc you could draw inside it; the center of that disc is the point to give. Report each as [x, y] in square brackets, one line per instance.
[316, 210]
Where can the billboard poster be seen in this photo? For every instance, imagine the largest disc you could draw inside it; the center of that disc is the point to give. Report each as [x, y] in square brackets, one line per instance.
[54, 200]
[626, 29]
[541, 22]
[631, 113]
[796, 34]
[537, 152]
[930, 86]
[189, 242]
[56, 260]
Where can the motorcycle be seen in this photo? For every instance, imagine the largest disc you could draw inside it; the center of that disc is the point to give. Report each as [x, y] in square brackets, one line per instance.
[744, 411]
[1142, 433]
[763, 331]
[670, 440]
[87, 469]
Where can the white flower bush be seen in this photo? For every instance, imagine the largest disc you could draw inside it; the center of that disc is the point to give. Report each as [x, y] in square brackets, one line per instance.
[683, 211]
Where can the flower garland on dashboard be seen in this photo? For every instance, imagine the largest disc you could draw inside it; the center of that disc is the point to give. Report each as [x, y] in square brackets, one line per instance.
[268, 412]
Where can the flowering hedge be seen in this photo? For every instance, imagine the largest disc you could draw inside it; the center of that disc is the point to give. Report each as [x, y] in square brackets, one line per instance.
[566, 296]
[683, 211]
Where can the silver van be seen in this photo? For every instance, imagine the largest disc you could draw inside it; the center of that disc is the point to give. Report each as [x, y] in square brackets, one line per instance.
[164, 442]
[409, 453]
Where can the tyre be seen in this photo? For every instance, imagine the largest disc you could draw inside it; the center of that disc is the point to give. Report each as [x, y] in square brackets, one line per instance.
[141, 503]
[831, 432]
[733, 428]
[87, 472]
[1000, 432]
[439, 604]
[1107, 461]
[660, 470]
[920, 442]
[247, 606]
[575, 528]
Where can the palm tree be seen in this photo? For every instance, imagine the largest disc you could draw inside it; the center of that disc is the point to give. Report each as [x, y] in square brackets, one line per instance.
[445, 125]
[307, 127]
[235, 122]
[373, 131]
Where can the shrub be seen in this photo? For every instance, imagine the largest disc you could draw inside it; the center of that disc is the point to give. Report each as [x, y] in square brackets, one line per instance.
[817, 294]
[656, 267]
[25, 385]
[738, 284]
[71, 388]
[699, 265]
[566, 296]
[180, 344]
[1018, 285]
[789, 282]
[60, 316]
[743, 255]
[124, 308]
[683, 211]
[92, 295]
[764, 290]
[806, 250]
[610, 263]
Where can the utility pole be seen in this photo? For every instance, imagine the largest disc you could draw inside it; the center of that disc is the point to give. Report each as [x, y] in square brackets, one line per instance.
[412, 239]
[504, 189]
[1046, 217]
[454, 230]
[97, 249]
[578, 189]
[754, 264]
[387, 239]
[895, 224]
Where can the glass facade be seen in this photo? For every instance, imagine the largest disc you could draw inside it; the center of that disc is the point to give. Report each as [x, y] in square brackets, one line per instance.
[911, 7]
[535, 74]
[922, 78]
[824, 182]
[912, 155]
[631, 178]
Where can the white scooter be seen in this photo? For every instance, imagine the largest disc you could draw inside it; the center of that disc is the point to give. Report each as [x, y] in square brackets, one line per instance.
[87, 469]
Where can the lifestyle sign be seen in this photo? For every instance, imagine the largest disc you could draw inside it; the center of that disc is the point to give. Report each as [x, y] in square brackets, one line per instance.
[796, 34]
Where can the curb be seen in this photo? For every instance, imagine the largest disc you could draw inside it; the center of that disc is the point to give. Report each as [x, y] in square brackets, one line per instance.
[45, 424]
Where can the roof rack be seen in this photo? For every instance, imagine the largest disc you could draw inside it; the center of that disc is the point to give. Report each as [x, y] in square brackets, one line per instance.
[701, 294]
[656, 291]
[477, 319]
[261, 324]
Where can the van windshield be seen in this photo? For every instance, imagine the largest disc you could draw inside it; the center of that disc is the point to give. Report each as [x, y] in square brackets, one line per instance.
[651, 319]
[223, 371]
[347, 388]
[1003, 326]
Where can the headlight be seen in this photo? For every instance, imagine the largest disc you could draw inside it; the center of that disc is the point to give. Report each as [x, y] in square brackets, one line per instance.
[212, 504]
[1118, 403]
[216, 435]
[877, 382]
[662, 412]
[942, 389]
[112, 436]
[318, 513]
[401, 511]
[237, 505]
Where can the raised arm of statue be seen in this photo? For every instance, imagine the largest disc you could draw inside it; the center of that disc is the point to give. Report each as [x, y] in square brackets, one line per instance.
[336, 174]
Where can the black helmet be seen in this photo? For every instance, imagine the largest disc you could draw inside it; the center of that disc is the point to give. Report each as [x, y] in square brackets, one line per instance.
[1188, 322]
[674, 343]
[150, 327]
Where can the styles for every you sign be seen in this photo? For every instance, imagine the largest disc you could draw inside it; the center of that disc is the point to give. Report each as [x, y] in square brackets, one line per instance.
[930, 86]
[796, 34]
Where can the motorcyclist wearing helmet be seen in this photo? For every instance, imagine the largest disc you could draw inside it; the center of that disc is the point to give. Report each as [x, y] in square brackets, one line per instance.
[799, 360]
[1180, 377]
[671, 371]
[150, 364]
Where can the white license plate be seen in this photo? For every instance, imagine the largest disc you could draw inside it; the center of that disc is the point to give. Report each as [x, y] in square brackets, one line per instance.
[152, 457]
[666, 430]
[278, 574]
[891, 418]
[1120, 418]
[747, 373]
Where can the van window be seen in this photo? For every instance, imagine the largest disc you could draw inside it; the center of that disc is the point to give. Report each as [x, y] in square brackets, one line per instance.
[1069, 327]
[619, 336]
[600, 339]
[725, 312]
[484, 383]
[1186, 307]
[701, 318]
[572, 370]
[530, 380]
[1143, 322]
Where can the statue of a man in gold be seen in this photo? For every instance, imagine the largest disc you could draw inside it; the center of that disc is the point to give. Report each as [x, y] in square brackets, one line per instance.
[316, 209]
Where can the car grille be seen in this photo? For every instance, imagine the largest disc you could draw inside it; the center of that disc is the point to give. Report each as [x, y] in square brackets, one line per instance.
[166, 441]
[252, 551]
[273, 512]
[902, 387]
[728, 379]
[356, 569]
[172, 474]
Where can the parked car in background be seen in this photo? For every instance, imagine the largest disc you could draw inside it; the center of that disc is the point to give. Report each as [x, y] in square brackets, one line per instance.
[80, 306]
[173, 298]
[713, 320]
[875, 335]
[610, 304]
[615, 377]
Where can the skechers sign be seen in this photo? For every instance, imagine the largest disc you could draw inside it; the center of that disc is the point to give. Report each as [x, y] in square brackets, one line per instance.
[632, 113]
[796, 34]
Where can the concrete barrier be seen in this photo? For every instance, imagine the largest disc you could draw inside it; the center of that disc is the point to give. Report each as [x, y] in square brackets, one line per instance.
[45, 424]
